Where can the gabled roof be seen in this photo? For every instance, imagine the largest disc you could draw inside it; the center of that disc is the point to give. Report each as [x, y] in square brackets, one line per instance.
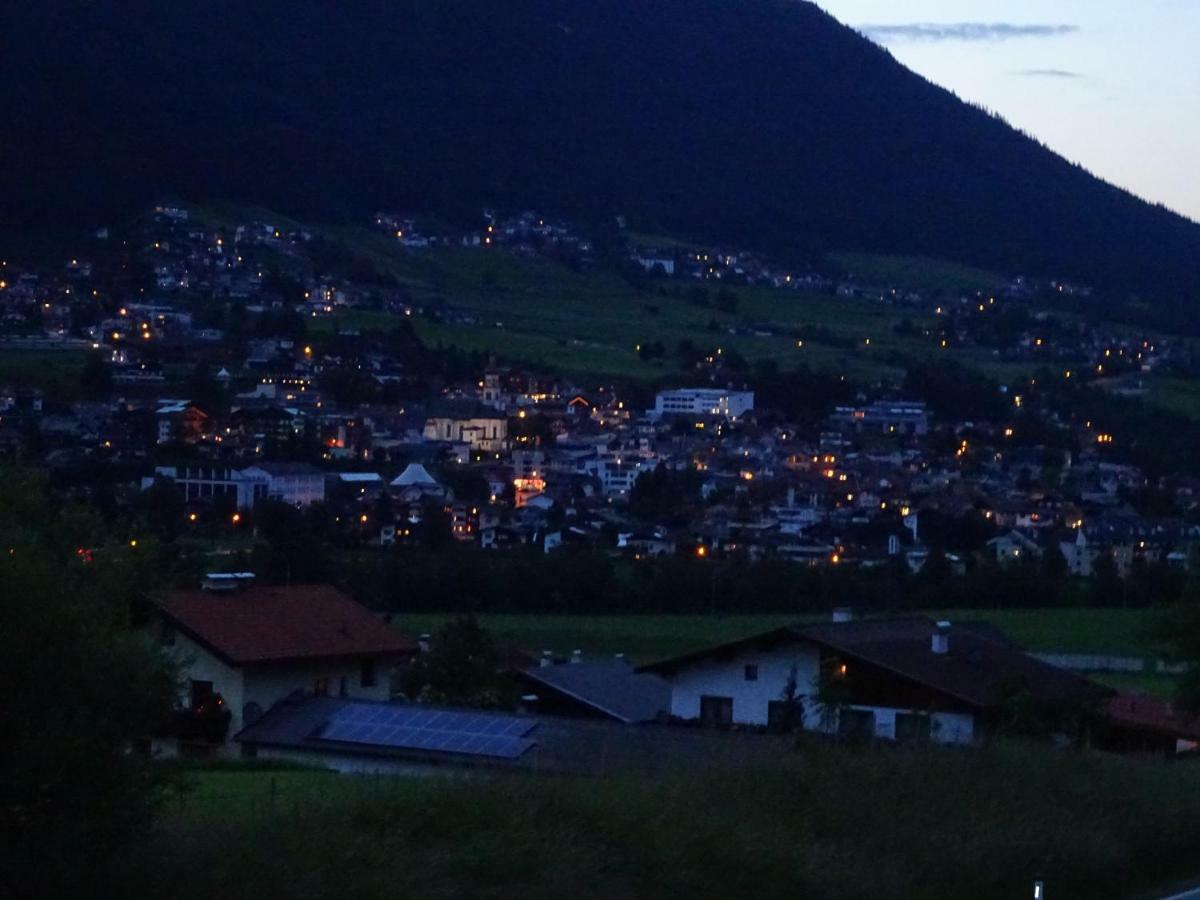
[976, 669]
[414, 474]
[613, 688]
[280, 624]
[1141, 713]
[463, 409]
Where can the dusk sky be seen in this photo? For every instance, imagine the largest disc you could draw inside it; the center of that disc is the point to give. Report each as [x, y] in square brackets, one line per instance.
[1112, 84]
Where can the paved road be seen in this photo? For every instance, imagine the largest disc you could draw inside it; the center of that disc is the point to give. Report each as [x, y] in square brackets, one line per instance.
[1193, 894]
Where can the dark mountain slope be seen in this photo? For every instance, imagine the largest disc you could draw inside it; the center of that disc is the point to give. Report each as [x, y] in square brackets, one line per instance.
[762, 122]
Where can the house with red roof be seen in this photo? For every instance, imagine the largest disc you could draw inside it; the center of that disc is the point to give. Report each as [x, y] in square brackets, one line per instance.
[242, 647]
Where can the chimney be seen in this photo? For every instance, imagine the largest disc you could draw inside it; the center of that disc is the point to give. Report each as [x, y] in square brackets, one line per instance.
[940, 643]
[546, 660]
[424, 642]
[843, 614]
[576, 656]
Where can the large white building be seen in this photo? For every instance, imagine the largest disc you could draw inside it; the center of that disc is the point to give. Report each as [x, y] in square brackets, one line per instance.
[475, 424]
[703, 402]
[297, 484]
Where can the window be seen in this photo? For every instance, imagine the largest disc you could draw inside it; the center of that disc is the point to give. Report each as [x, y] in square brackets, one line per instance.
[912, 728]
[856, 724]
[751, 672]
[321, 687]
[367, 676]
[716, 711]
[202, 692]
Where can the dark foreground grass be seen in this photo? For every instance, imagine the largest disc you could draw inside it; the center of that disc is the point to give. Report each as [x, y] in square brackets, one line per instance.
[827, 822]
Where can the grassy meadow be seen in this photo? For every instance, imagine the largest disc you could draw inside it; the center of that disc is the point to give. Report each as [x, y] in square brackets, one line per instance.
[823, 821]
[651, 637]
[591, 323]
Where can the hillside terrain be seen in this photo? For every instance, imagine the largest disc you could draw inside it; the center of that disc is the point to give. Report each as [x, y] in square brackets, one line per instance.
[764, 123]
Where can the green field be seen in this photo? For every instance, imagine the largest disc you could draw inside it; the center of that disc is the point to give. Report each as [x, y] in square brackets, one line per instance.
[54, 371]
[822, 821]
[1176, 395]
[916, 272]
[648, 638]
[591, 323]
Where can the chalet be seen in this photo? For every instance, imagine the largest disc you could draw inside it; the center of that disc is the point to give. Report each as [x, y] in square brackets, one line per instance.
[904, 680]
[242, 648]
[179, 420]
[1013, 547]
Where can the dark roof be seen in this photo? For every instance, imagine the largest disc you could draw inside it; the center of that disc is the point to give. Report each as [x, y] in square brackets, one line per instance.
[979, 665]
[975, 669]
[463, 409]
[591, 747]
[613, 688]
[277, 624]
[1141, 713]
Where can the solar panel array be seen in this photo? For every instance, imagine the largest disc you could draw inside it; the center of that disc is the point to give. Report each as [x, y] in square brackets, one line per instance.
[413, 728]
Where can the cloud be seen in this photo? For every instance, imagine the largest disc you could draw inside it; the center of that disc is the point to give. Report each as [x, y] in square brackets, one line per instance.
[1050, 73]
[962, 31]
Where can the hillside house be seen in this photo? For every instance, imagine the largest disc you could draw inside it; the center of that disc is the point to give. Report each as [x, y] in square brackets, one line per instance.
[905, 680]
[242, 648]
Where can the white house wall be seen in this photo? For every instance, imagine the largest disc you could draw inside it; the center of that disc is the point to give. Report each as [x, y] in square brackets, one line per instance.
[944, 727]
[751, 699]
[726, 678]
[267, 686]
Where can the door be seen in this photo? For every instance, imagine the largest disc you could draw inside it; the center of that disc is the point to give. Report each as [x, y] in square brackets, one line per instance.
[716, 712]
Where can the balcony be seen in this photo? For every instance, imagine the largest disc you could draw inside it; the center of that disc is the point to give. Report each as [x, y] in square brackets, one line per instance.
[207, 723]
